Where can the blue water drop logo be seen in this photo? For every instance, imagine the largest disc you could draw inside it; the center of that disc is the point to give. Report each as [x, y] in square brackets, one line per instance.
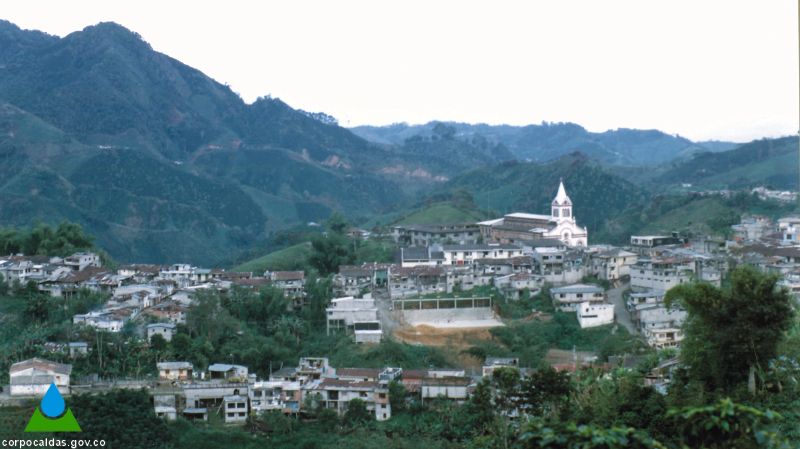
[52, 404]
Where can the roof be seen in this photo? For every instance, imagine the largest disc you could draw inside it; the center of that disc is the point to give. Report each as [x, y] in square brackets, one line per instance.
[371, 373]
[578, 288]
[223, 367]
[561, 198]
[420, 253]
[447, 381]
[174, 365]
[165, 325]
[527, 216]
[41, 364]
[329, 382]
[480, 247]
[287, 275]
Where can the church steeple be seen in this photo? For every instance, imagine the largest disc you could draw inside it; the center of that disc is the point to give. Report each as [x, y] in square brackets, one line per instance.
[562, 204]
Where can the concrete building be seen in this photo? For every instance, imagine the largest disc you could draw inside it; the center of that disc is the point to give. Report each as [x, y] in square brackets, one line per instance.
[235, 409]
[453, 388]
[593, 314]
[231, 373]
[613, 264]
[357, 316]
[174, 370]
[429, 234]
[569, 297]
[660, 274]
[34, 376]
[492, 363]
[166, 330]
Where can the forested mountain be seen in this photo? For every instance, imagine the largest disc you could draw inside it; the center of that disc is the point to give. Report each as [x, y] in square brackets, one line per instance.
[163, 163]
[769, 162]
[628, 147]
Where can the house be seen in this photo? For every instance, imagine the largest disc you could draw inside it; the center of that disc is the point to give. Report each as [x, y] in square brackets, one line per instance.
[661, 338]
[454, 388]
[613, 264]
[514, 285]
[291, 282]
[77, 349]
[224, 371]
[594, 314]
[33, 377]
[429, 234]
[660, 274]
[492, 363]
[344, 312]
[644, 298]
[82, 261]
[468, 254]
[102, 320]
[166, 330]
[336, 394]
[558, 265]
[174, 370]
[561, 225]
[569, 297]
[652, 241]
[353, 280]
[165, 406]
[235, 409]
[416, 280]
[358, 374]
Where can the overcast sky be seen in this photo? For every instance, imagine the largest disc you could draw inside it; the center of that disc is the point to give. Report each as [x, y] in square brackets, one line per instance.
[710, 69]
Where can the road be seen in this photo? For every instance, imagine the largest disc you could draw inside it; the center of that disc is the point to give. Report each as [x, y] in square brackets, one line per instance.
[620, 312]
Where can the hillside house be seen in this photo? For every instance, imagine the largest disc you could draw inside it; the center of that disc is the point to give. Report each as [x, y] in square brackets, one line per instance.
[174, 371]
[33, 377]
[568, 298]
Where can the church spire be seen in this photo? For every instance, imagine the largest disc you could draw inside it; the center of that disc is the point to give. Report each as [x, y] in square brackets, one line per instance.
[561, 197]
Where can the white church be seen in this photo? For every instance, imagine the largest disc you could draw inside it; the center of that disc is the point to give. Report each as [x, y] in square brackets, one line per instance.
[559, 225]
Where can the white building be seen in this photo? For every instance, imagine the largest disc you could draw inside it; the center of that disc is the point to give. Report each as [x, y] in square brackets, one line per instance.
[33, 377]
[592, 314]
[660, 274]
[235, 407]
[174, 370]
[613, 264]
[569, 297]
[166, 330]
[359, 316]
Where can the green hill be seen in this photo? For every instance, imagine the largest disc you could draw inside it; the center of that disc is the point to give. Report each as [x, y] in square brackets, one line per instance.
[444, 212]
[294, 257]
[770, 162]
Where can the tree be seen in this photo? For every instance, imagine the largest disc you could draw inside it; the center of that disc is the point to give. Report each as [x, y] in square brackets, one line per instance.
[327, 253]
[356, 413]
[158, 343]
[397, 396]
[337, 224]
[538, 434]
[732, 333]
[729, 425]
[544, 391]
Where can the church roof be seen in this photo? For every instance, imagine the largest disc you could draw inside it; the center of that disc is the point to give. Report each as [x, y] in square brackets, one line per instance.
[561, 197]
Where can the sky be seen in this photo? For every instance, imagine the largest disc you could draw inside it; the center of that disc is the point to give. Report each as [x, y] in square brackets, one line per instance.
[711, 69]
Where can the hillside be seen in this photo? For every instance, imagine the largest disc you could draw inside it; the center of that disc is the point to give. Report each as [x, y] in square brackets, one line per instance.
[770, 162]
[626, 147]
[597, 195]
[163, 163]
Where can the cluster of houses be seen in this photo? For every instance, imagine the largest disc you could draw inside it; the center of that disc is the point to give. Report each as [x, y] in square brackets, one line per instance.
[233, 393]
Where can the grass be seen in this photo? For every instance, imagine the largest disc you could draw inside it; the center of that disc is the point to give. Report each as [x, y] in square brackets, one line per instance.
[289, 258]
[443, 212]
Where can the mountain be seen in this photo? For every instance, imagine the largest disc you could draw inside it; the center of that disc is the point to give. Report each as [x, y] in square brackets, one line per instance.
[163, 163]
[770, 162]
[626, 147]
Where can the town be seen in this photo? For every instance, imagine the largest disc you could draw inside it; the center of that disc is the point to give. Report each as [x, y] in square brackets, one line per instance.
[432, 283]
